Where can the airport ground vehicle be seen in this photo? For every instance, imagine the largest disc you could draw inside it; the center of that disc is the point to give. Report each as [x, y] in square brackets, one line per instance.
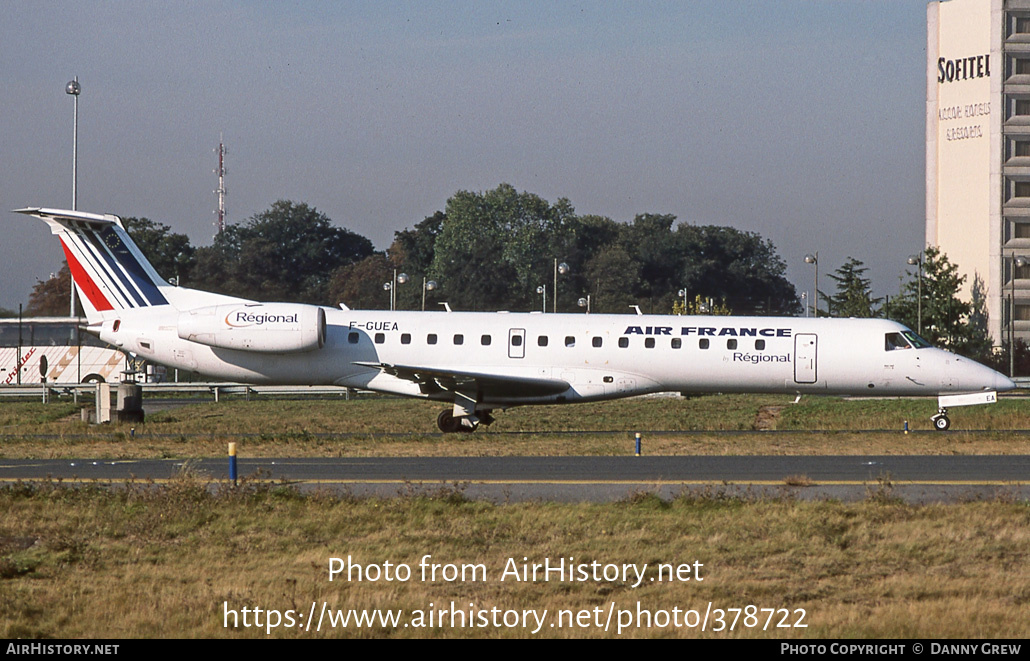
[67, 353]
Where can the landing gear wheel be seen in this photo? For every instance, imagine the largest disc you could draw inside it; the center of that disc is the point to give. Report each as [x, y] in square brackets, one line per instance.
[447, 423]
[941, 422]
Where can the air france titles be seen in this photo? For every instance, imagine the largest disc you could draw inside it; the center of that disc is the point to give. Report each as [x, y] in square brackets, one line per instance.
[709, 331]
[725, 331]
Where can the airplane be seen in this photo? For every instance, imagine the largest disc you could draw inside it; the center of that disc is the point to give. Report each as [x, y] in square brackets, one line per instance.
[481, 362]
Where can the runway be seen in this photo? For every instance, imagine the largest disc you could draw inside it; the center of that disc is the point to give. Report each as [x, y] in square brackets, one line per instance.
[916, 479]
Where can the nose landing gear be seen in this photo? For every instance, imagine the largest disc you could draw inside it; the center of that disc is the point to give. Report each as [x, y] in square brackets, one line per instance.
[941, 422]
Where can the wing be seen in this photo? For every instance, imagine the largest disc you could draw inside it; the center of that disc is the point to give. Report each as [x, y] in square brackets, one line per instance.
[489, 386]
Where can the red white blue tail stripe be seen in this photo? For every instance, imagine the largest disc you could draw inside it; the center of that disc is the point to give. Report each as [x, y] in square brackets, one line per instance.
[109, 270]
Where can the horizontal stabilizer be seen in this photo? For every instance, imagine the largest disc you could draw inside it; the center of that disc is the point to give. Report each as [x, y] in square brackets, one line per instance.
[93, 219]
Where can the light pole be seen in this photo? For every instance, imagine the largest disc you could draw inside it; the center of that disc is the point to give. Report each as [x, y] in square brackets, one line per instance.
[584, 303]
[814, 261]
[1017, 262]
[74, 89]
[562, 268]
[427, 285]
[542, 290]
[917, 260]
[683, 294]
[804, 302]
[398, 279]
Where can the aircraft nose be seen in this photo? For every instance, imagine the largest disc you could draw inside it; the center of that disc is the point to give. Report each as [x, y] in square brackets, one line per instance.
[969, 376]
[1003, 383]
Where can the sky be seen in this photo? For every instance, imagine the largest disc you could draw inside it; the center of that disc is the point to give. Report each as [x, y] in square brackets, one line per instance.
[803, 121]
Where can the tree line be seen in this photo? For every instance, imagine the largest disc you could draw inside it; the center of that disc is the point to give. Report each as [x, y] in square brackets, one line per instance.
[486, 251]
[499, 249]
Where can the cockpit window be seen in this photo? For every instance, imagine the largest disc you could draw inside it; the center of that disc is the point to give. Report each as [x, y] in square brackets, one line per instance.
[917, 342]
[904, 340]
[895, 341]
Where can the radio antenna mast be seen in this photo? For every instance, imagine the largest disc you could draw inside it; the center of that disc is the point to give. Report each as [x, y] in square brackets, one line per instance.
[221, 192]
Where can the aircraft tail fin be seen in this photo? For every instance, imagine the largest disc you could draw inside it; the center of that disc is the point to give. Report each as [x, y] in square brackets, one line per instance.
[110, 272]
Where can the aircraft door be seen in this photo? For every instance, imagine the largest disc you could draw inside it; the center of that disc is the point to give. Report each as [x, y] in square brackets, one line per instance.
[517, 343]
[805, 351]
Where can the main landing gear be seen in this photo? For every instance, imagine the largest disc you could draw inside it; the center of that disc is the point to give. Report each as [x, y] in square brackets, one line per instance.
[449, 424]
[941, 422]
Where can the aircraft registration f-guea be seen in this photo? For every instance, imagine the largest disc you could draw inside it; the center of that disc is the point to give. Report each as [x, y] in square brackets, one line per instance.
[481, 361]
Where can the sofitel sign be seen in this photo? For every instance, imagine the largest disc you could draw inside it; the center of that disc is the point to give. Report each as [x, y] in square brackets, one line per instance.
[964, 68]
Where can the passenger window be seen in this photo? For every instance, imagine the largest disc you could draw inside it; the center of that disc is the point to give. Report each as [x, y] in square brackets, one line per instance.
[703, 343]
[459, 339]
[352, 337]
[485, 340]
[516, 340]
[759, 345]
[431, 338]
[380, 338]
[677, 343]
[623, 342]
[541, 341]
[405, 338]
[649, 343]
[570, 341]
[731, 344]
[597, 341]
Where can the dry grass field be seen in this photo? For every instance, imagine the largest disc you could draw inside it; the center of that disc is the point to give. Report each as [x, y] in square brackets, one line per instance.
[184, 560]
[173, 562]
[381, 426]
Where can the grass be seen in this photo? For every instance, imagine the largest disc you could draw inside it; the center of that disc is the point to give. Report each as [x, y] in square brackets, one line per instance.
[141, 561]
[146, 562]
[383, 426]
[1010, 413]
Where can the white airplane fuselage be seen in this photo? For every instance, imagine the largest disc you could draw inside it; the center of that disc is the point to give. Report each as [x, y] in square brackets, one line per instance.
[486, 361]
[661, 353]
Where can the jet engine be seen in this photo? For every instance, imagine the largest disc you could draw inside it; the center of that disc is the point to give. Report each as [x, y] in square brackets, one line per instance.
[262, 327]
